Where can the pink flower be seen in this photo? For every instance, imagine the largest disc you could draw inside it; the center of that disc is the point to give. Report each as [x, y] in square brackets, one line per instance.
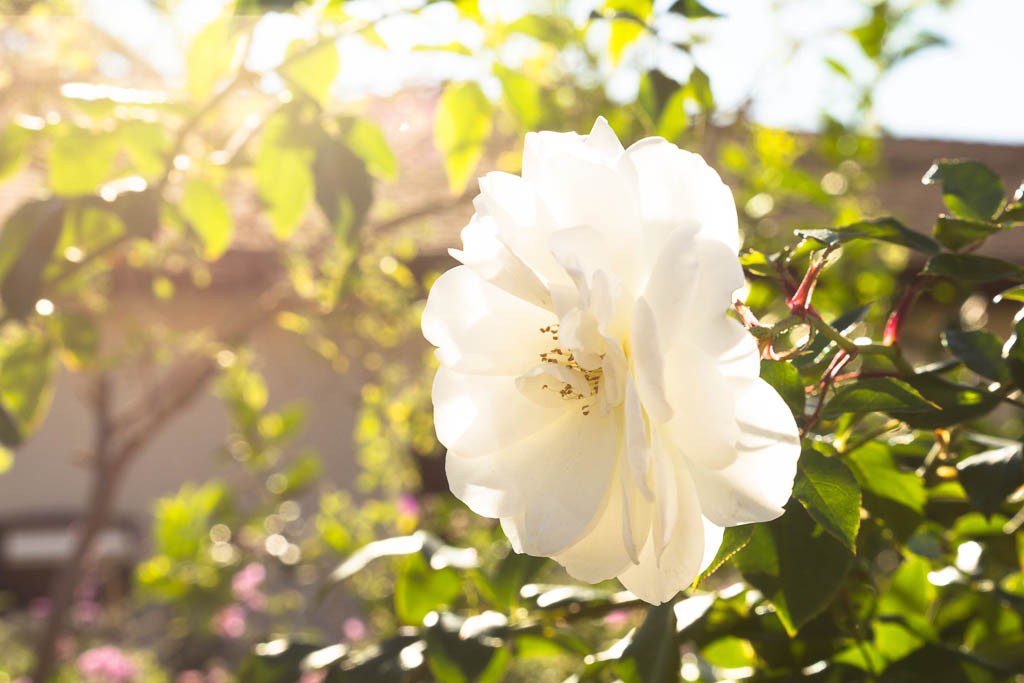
[230, 622]
[408, 506]
[245, 585]
[192, 676]
[106, 664]
[353, 628]
[617, 617]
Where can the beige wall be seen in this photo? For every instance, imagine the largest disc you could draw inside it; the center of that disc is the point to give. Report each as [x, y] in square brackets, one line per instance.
[49, 477]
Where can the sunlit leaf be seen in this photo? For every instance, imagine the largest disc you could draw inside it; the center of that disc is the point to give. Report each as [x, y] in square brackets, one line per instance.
[284, 173]
[209, 215]
[312, 68]
[368, 142]
[653, 653]
[521, 95]
[211, 56]
[785, 379]
[462, 126]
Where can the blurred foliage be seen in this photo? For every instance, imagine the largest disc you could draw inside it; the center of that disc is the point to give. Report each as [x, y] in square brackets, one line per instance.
[899, 558]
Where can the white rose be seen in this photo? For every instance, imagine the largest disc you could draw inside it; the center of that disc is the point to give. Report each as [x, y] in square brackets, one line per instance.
[593, 395]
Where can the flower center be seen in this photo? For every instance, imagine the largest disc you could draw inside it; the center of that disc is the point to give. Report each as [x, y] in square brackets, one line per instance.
[568, 373]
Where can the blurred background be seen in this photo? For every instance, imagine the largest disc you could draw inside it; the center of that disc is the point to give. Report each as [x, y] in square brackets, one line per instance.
[220, 221]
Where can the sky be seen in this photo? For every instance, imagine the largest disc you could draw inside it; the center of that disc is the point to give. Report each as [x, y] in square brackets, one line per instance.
[769, 51]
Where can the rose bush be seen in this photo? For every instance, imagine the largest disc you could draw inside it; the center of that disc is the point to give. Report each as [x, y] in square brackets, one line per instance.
[592, 393]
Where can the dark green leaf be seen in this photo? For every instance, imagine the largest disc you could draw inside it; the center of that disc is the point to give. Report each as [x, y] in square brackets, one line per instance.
[691, 9]
[27, 367]
[882, 229]
[653, 653]
[958, 233]
[785, 379]
[980, 351]
[798, 568]
[27, 243]
[456, 656]
[275, 661]
[10, 433]
[830, 493]
[969, 189]
[972, 268]
[1013, 352]
[955, 403]
[343, 187]
[876, 394]
[989, 477]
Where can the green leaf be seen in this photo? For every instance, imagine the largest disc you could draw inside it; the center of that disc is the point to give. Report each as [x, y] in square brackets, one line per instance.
[830, 493]
[796, 567]
[730, 652]
[952, 403]
[990, 477]
[343, 188]
[959, 233]
[1013, 351]
[14, 145]
[210, 57]
[625, 29]
[691, 9]
[284, 174]
[980, 351]
[275, 661]
[756, 262]
[367, 140]
[882, 229]
[969, 189]
[521, 95]
[785, 379]
[878, 474]
[734, 540]
[972, 268]
[27, 243]
[653, 653]
[420, 589]
[876, 394]
[10, 432]
[80, 160]
[462, 125]
[209, 215]
[313, 70]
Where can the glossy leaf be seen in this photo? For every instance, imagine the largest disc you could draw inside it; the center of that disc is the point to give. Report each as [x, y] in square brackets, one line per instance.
[882, 229]
[778, 562]
[876, 394]
[653, 653]
[959, 233]
[991, 476]
[980, 351]
[879, 474]
[969, 189]
[785, 379]
[973, 268]
[830, 493]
